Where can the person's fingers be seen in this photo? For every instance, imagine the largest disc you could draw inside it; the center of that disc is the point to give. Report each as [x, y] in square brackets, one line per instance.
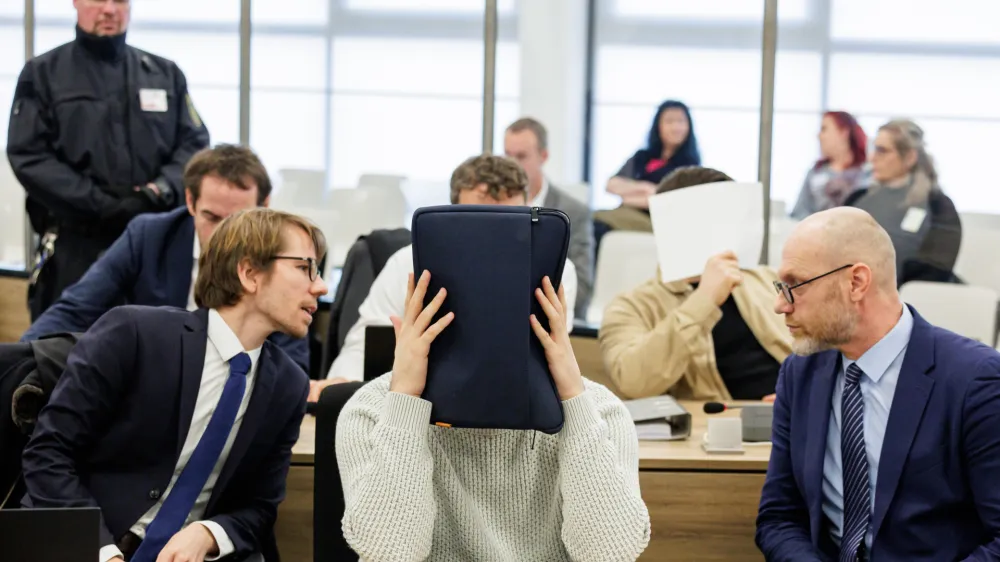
[410, 287]
[540, 332]
[550, 294]
[550, 311]
[397, 325]
[769, 398]
[417, 302]
[562, 296]
[435, 329]
[424, 320]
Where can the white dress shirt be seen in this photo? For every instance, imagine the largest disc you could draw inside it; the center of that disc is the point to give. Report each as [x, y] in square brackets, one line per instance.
[387, 297]
[194, 273]
[539, 200]
[222, 346]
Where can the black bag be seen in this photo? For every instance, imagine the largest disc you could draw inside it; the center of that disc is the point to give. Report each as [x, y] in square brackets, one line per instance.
[488, 369]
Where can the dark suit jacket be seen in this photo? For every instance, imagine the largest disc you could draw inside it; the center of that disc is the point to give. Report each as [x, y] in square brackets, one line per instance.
[150, 264]
[114, 427]
[581, 244]
[936, 496]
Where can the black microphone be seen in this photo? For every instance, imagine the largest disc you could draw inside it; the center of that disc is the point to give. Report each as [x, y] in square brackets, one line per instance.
[717, 407]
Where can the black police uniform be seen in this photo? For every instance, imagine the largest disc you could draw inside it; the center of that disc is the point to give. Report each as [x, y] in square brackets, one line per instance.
[92, 120]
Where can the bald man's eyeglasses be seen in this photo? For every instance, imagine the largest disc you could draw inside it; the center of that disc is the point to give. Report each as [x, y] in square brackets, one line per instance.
[786, 290]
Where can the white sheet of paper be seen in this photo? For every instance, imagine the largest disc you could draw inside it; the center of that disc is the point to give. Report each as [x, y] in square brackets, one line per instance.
[692, 224]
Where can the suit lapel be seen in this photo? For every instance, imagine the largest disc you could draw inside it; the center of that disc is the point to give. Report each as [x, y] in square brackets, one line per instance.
[260, 401]
[913, 390]
[193, 344]
[179, 261]
[816, 432]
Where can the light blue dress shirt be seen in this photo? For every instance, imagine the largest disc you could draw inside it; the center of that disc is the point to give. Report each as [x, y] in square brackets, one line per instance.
[881, 366]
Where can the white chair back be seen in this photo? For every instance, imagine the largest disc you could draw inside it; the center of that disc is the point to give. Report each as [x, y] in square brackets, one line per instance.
[967, 310]
[381, 180]
[300, 188]
[12, 217]
[781, 228]
[977, 262]
[626, 260]
[578, 191]
[980, 220]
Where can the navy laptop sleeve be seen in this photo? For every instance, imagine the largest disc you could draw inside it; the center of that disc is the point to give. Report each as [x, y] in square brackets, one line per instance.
[488, 369]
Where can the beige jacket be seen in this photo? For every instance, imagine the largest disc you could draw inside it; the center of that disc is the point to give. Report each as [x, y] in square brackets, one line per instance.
[657, 338]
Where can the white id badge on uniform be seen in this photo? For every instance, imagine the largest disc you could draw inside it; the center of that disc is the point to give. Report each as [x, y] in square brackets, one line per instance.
[914, 219]
[153, 100]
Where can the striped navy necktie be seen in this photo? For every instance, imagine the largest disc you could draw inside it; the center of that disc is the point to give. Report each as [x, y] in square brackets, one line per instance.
[857, 514]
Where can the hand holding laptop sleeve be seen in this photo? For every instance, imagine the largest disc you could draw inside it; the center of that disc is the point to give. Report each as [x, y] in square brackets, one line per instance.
[487, 369]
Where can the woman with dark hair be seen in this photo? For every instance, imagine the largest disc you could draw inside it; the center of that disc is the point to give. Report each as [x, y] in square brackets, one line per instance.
[671, 144]
[905, 198]
[839, 171]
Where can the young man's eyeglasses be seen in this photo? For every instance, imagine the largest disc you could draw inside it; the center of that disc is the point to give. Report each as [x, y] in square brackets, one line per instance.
[786, 290]
[313, 265]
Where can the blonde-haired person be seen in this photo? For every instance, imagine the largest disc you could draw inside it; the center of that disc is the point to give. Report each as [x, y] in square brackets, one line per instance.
[179, 425]
[908, 203]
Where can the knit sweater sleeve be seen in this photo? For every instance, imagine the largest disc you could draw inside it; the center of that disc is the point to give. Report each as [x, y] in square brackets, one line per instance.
[387, 470]
[604, 516]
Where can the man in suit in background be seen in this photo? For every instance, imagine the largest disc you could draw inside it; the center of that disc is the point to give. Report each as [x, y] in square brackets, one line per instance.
[885, 441]
[526, 141]
[155, 262]
[179, 425]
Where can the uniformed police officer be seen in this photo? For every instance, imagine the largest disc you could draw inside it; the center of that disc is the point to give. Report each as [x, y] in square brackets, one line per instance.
[99, 133]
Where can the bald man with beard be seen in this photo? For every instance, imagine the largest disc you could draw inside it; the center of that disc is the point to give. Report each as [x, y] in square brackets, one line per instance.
[886, 432]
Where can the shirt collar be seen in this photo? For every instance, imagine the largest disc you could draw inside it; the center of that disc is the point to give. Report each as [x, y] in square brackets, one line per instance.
[539, 201]
[875, 362]
[197, 248]
[225, 340]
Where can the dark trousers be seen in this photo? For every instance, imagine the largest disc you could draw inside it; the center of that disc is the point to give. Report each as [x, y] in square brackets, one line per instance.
[73, 254]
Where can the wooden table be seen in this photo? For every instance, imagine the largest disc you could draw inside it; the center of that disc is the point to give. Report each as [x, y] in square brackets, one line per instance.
[702, 506]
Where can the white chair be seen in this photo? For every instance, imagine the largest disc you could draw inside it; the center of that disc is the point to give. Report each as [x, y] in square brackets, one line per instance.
[626, 260]
[781, 228]
[967, 310]
[977, 262]
[381, 180]
[778, 208]
[12, 217]
[980, 220]
[578, 191]
[300, 188]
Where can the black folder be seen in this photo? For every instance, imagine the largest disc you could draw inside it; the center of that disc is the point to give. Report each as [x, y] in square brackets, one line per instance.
[488, 369]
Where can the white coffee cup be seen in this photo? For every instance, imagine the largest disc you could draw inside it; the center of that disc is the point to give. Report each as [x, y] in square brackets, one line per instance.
[724, 434]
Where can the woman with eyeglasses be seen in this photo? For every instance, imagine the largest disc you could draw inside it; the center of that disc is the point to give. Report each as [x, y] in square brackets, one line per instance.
[839, 171]
[908, 203]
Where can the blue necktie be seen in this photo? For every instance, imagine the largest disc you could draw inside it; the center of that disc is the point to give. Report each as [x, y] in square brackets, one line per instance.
[180, 501]
[857, 514]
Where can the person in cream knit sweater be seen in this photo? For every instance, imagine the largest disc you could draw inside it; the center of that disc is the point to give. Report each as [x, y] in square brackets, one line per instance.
[414, 491]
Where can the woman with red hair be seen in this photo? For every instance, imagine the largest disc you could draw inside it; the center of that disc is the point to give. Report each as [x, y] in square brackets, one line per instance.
[839, 172]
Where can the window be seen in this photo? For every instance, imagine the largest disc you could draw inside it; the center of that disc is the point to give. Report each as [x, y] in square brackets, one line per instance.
[358, 90]
[428, 6]
[969, 22]
[11, 193]
[211, 63]
[711, 10]
[650, 51]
